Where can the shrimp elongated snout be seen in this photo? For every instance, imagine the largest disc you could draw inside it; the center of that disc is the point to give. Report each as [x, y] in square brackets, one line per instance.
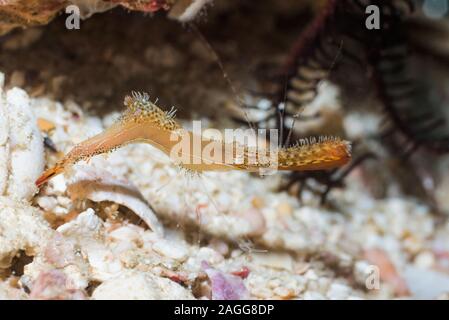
[48, 174]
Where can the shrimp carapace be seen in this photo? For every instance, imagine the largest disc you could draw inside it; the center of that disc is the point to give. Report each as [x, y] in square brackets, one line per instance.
[143, 121]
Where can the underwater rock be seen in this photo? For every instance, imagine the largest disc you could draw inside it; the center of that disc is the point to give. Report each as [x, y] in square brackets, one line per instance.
[29, 13]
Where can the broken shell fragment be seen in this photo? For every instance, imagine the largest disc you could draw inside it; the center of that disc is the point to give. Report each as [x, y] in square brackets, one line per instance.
[98, 185]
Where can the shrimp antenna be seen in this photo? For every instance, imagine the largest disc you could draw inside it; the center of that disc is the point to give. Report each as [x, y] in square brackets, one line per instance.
[237, 97]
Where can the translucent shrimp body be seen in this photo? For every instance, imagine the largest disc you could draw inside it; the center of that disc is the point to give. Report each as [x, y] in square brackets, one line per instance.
[143, 121]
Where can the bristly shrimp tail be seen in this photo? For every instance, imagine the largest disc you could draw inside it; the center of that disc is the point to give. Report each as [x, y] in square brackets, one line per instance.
[315, 154]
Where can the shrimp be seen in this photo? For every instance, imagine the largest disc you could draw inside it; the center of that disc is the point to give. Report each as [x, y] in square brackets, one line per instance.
[143, 121]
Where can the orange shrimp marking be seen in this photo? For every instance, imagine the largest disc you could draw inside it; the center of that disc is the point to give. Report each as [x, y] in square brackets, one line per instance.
[143, 121]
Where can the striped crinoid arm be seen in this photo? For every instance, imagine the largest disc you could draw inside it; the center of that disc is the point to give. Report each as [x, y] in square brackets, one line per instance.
[409, 100]
[330, 38]
[307, 61]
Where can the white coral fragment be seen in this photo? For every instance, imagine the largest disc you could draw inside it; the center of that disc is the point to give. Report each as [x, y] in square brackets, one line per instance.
[88, 232]
[136, 285]
[171, 250]
[21, 145]
[21, 228]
